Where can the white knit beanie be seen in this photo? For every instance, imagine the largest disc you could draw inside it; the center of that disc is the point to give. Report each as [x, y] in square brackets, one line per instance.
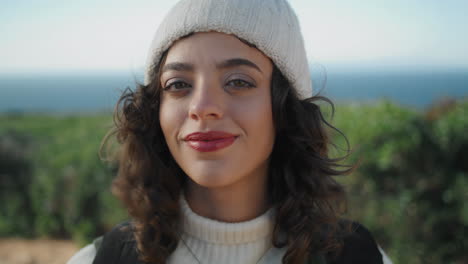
[270, 25]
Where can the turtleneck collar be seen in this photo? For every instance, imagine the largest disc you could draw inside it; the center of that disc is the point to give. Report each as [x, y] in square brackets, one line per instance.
[217, 232]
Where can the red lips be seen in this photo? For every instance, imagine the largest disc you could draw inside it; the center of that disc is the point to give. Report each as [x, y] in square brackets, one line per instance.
[210, 141]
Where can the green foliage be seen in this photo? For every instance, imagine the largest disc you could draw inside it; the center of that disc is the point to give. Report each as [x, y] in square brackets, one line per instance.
[15, 178]
[67, 187]
[411, 184]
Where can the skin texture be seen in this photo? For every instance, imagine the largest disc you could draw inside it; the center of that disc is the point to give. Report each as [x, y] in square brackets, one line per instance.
[202, 92]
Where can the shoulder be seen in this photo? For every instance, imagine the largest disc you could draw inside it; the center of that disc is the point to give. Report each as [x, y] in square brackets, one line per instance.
[83, 256]
[117, 245]
[121, 233]
[359, 246]
[107, 248]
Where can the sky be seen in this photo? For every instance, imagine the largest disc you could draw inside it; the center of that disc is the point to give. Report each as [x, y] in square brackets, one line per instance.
[108, 35]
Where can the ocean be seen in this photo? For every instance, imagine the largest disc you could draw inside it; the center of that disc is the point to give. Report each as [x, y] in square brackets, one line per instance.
[86, 93]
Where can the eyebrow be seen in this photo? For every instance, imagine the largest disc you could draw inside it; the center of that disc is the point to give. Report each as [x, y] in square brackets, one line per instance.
[177, 66]
[238, 62]
[180, 66]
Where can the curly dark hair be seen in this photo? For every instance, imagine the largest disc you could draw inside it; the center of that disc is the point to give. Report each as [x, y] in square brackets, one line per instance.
[308, 200]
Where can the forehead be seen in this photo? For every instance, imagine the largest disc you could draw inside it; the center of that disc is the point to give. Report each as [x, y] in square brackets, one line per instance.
[212, 47]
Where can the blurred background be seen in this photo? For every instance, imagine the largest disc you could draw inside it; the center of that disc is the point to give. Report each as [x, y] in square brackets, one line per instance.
[397, 72]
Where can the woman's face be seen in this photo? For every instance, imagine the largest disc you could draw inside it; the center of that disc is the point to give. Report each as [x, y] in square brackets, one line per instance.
[215, 111]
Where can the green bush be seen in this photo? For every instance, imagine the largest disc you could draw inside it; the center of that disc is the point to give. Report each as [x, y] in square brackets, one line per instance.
[15, 182]
[68, 186]
[411, 185]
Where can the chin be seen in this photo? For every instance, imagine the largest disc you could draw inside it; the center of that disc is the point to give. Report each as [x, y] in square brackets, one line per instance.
[211, 179]
[211, 173]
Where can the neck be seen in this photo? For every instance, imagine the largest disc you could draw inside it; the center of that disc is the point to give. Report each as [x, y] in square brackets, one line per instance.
[241, 202]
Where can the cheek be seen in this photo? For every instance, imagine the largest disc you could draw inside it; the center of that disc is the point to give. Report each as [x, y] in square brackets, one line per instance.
[170, 118]
[257, 119]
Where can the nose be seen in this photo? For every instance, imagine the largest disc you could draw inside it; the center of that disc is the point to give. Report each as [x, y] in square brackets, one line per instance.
[206, 103]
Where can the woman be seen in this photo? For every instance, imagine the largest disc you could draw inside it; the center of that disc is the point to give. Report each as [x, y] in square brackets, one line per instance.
[224, 152]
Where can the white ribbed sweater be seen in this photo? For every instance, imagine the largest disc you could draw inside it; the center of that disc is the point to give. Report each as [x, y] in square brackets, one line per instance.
[213, 241]
[217, 242]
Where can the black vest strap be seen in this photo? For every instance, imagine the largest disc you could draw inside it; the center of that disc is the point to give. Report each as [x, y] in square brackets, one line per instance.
[359, 247]
[119, 247]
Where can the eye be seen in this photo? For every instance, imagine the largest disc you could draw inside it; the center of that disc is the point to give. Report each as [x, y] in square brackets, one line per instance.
[240, 84]
[176, 85]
